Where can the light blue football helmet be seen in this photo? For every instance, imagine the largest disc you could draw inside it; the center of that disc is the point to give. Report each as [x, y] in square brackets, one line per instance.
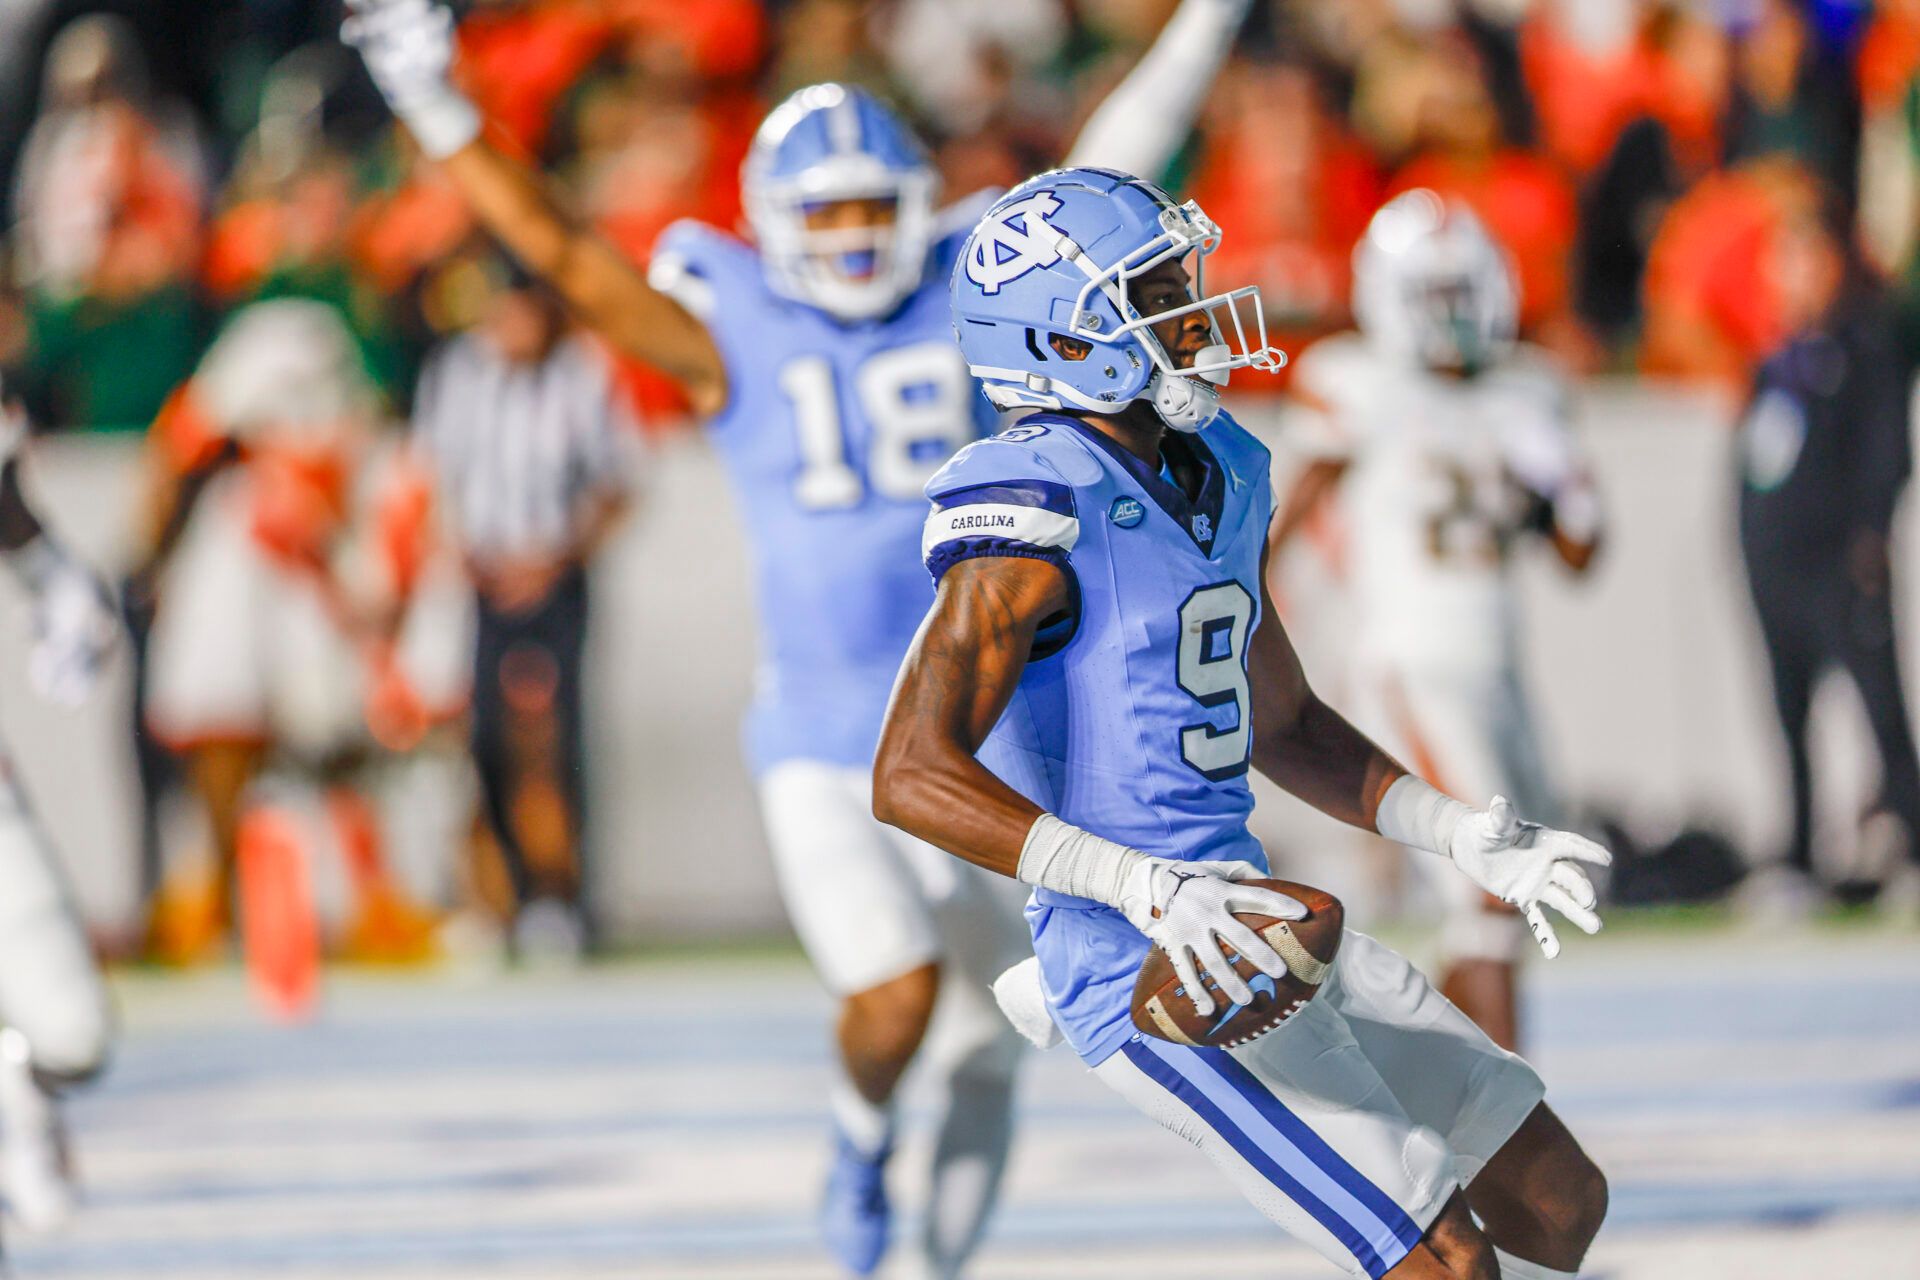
[827, 143]
[1056, 255]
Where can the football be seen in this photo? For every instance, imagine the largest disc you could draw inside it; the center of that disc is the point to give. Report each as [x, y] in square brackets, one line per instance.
[1163, 1008]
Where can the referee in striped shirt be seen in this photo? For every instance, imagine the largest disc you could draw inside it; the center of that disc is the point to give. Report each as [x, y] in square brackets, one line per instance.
[534, 452]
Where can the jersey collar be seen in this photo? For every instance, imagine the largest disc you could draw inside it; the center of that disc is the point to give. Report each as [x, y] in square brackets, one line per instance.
[1199, 517]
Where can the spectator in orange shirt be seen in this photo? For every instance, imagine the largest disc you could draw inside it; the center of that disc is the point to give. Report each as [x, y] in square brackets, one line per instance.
[1590, 78]
[521, 57]
[1524, 199]
[1297, 189]
[1710, 311]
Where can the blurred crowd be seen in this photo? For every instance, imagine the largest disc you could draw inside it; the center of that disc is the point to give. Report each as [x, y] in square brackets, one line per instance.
[172, 163]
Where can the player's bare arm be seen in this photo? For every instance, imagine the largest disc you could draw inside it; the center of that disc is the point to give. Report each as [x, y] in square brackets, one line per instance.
[958, 678]
[963, 668]
[1300, 742]
[1140, 126]
[408, 46]
[607, 290]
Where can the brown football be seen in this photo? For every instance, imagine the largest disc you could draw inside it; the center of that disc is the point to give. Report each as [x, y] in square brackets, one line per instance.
[1162, 1007]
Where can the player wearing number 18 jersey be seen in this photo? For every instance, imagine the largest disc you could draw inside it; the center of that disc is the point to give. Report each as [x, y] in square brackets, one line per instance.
[822, 356]
[1081, 708]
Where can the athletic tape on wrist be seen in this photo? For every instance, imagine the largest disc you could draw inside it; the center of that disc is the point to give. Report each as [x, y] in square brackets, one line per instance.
[1415, 814]
[1060, 856]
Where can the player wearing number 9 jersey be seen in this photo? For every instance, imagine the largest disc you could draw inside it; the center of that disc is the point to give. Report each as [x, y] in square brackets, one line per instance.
[1080, 711]
[822, 356]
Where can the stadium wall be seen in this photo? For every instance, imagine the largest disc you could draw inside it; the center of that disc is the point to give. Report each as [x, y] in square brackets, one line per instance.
[1648, 678]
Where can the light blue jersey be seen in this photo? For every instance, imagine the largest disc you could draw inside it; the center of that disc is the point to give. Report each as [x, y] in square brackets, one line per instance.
[829, 434]
[1132, 718]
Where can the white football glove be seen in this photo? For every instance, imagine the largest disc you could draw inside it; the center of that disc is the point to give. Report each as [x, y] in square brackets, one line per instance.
[74, 630]
[1187, 908]
[408, 48]
[1522, 863]
[1530, 866]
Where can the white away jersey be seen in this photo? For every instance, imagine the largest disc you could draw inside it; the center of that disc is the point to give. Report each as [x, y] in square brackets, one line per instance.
[1443, 476]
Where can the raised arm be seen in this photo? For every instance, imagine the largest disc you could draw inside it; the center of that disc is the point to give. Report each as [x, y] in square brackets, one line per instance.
[1309, 749]
[958, 678]
[1140, 126]
[409, 48]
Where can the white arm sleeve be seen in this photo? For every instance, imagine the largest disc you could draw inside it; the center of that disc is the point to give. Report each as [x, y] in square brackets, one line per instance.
[1149, 114]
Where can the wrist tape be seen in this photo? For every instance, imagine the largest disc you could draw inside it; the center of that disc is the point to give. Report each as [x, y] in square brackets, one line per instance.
[1062, 857]
[1415, 814]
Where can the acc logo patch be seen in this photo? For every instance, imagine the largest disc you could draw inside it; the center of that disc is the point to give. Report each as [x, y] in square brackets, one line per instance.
[1126, 512]
[1003, 252]
[1014, 435]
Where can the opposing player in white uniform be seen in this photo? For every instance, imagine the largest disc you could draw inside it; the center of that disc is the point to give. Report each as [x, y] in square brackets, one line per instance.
[1449, 447]
[822, 356]
[55, 1021]
[1098, 675]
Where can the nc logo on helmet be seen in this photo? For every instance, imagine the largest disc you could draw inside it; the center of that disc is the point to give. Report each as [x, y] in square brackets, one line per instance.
[1002, 252]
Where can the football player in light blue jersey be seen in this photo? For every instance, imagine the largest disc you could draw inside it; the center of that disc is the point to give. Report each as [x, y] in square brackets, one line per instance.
[822, 356]
[1081, 708]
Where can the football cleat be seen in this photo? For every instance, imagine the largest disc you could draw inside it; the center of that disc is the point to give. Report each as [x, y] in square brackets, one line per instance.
[855, 1217]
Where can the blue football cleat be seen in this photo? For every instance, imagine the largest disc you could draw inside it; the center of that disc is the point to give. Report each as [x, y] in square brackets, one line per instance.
[855, 1217]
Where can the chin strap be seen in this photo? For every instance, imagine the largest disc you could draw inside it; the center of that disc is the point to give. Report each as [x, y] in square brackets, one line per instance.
[1185, 404]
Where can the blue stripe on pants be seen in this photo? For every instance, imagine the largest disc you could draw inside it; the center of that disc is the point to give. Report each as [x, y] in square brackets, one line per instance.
[1193, 1076]
[1315, 1148]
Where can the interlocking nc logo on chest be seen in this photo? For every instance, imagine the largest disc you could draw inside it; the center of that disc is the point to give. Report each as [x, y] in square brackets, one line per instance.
[1003, 252]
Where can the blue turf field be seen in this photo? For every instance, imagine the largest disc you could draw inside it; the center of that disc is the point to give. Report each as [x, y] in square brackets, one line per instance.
[1758, 1116]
